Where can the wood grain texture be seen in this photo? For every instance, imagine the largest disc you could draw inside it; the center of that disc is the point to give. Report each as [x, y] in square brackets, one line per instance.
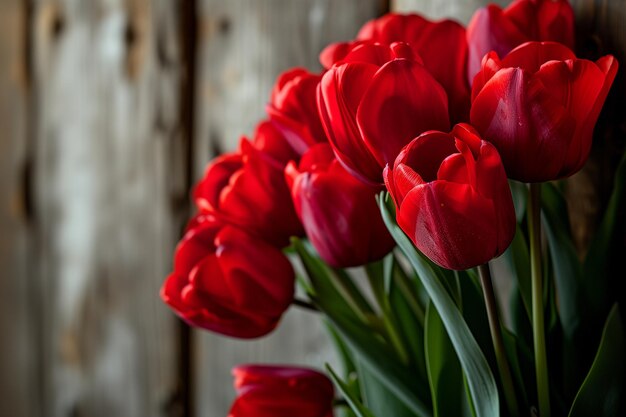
[107, 190]
[18, 373]
[461, 11]
[243, 46]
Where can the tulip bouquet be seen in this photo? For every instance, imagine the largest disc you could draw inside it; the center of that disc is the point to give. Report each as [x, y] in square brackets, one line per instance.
[419, 167]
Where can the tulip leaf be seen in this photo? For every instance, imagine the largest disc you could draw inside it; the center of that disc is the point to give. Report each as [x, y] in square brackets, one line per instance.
[356, 406]
[377, 397]
[480, 380]
[603, 250]
[518, 260]
[444, 371]
[602, 390]
[567, 267]
[357, 333]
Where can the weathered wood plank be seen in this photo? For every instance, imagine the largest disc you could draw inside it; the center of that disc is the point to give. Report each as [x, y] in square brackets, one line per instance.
[18, 388]
[243, 46]
[108, 185]
[461, 11]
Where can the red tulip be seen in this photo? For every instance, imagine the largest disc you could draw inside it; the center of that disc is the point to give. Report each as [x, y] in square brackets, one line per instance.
[248, 188]
[339, 213]
[452, 197]
[442, 46]
[374, 101]
[293, 109]
[494, 29]
[280, 391]
[539, 106]
[228, 281]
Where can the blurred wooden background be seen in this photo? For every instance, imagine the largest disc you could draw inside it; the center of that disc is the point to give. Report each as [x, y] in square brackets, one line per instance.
[109, 110]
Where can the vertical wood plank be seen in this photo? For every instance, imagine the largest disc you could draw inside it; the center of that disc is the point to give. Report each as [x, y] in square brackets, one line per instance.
[18, 378]
[243, 46]
[109, 185]
[461, 11]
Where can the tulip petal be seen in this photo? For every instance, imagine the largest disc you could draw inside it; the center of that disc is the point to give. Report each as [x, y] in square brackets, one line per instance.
[532, 55]
[490, 30]
[402, 101]
[339, 96]
[195, 246]
[451, 224]
[515, 112]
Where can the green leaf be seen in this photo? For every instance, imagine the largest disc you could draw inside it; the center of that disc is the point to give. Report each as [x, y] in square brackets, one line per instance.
[600, 393]
[377, 397]
[360, 338]
[518, 260]
[356, 406]
[603, 248]
[444, 371]
[567, 268]
[480, 379]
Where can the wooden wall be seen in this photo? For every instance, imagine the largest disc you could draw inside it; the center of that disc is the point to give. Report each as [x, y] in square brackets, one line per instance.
[109, 110]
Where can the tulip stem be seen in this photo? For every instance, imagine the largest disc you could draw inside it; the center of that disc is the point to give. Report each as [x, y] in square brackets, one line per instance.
[541, 363]
[496, 339]
[305, 305]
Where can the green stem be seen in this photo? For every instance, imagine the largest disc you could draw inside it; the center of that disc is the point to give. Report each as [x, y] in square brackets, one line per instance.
[541, 363]
[496, 339]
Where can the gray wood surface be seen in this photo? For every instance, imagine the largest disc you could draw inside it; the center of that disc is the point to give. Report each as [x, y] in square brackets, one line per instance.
[460, 10]
[18, 374]
[106, 178]
[243, 46]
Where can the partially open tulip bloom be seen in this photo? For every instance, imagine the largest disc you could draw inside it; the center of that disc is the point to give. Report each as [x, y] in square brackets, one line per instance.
[247, 188]
[281, 391]
[228, 281]
[498, 30]
[538, 106]
[293, 109]
[441, 45]
[374, 101]
[452, 197]
[339, 213]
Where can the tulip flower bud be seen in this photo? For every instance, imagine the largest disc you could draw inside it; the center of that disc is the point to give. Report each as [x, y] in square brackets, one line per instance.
[428, 39]
[228, 281]
[539, 106]
[247, 188]
[338, 212]
[452, 197]
[280, 391]
[374, 101]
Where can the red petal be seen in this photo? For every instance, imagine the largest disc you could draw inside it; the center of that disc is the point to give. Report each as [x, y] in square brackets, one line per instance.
[515, 112]
[451, 224]
[403, 100]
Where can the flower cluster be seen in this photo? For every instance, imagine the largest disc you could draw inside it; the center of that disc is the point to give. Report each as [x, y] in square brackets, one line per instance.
[441, 132]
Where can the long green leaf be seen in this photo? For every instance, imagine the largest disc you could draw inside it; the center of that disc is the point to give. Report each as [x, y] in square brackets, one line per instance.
[603, 251]
[518, 260]
[444, 371]
[567, 267]
[377, 397]
[356, 406]
[366, 344]
[601, 392]
[480, 379]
